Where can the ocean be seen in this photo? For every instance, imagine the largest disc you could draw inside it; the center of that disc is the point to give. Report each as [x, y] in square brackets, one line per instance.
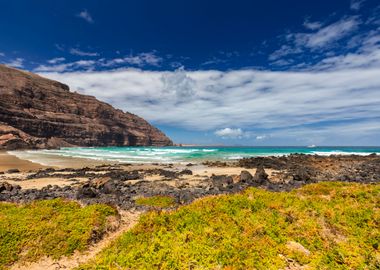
[180, 154]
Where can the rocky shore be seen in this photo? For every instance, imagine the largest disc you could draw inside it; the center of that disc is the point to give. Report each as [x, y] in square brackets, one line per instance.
[122, 184]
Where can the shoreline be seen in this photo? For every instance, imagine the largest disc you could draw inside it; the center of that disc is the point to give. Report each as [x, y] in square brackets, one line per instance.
[9, 161]
[12, 161]
[26, 159]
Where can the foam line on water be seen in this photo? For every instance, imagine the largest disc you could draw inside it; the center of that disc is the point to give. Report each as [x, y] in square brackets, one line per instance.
[173, 154]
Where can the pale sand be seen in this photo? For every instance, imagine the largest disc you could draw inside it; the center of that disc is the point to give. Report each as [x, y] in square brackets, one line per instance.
[59, 162]
[40, 183]
[8, 161]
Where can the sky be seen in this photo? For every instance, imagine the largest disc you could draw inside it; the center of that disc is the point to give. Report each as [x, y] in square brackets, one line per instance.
[258, 73]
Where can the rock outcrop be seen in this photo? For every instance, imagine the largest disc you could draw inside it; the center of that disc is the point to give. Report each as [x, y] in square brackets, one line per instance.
[36, 112]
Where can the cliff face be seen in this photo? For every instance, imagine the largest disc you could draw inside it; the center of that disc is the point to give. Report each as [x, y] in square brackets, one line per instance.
[36, 112]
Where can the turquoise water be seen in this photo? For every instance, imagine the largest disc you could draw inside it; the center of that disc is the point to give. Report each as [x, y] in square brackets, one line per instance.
[186, 154]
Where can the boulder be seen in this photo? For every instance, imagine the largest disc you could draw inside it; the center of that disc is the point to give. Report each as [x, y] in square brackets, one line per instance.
[245, 177]
[5, 186]
[86, 191]
[222, 181]
[260, 176]
[186, 172]
[13, 171]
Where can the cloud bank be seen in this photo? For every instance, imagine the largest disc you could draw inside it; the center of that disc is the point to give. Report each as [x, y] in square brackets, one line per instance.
[333, 94]
[284, 102]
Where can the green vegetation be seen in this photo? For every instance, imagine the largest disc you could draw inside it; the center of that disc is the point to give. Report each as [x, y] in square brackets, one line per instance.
[156, 201]
[322, 226]
[48, 228]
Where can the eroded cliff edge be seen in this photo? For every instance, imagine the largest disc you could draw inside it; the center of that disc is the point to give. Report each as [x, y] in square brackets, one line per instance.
[36, 112]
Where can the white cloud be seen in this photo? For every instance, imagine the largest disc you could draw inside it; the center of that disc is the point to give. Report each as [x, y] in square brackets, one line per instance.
[326, 35]
[312, 25]
[230, 133]
[58, 64]
[2, 54]
[367, 55]
[356, 4]
[85, 15]
[79, 52]
[178, 83]
[261, 137]
[66, 67]
[142, 59]
[284, 51]
[319, 39]
[56, 60]
[16, 63]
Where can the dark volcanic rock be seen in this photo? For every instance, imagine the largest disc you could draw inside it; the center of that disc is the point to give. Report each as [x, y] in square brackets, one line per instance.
[186, 172]
[260, 175]
[245, 177]
[13, 171]
[276, 163]
[39, 113]
[5, 186]
[86, 191]
[222, 181]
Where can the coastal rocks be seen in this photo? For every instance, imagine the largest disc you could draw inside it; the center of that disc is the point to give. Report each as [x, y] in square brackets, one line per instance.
[40, 113]
[260, 176]
[169, 174]
[186, 172]
[276, 163]
[245, 177]
[222, 181]
[13, 171]
[300, 168]
[124, 176]
[216, 163]
[5, 186]
[86, 191]
[120, 185]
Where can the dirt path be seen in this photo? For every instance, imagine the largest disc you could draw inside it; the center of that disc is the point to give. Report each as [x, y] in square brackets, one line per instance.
[128, 220]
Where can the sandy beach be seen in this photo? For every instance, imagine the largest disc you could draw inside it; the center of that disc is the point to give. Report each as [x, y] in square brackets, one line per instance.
[26, 168]
[8, 162]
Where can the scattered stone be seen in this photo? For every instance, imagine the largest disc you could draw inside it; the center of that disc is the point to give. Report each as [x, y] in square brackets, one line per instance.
[5, 186]
[186, 172]
[260, 176]
[222, 181]
[86, 191]
[245, 177]
[13, 171]
[100, 182]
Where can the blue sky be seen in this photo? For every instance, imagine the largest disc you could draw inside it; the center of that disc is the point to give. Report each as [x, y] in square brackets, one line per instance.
[213, 72]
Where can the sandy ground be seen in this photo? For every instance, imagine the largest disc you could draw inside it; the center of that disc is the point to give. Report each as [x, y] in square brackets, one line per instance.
[52, 162]
[39, 183]
[8, 161]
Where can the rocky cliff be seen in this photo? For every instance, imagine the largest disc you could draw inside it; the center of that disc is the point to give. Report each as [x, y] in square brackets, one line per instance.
[36, 112]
